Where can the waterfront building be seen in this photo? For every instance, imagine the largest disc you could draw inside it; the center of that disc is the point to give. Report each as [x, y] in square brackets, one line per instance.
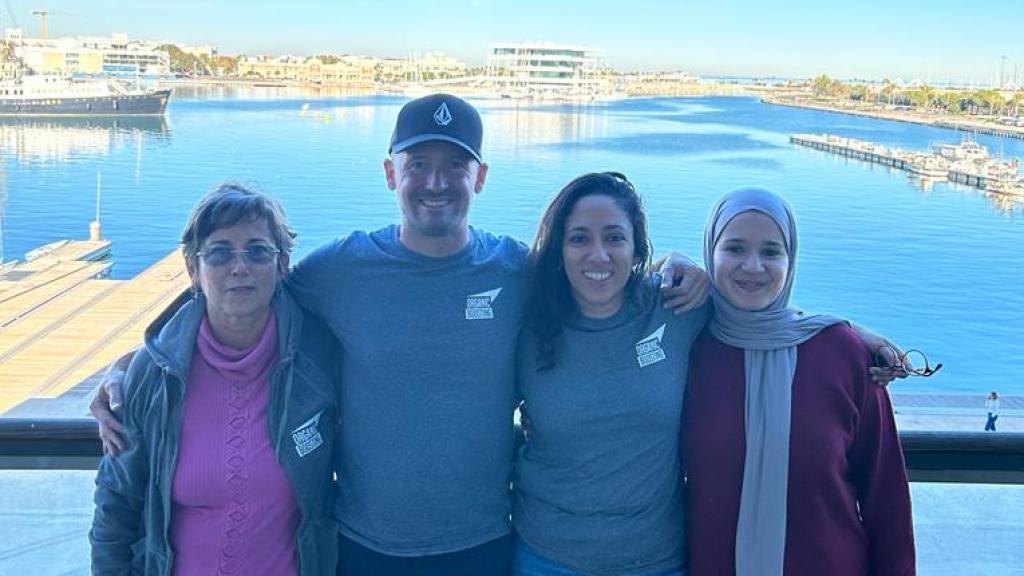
[434, 65]
[114, 56]
[350, 71]
[394, 70]
[278, 67]
[354, 71]
[419, 67]
[544, 70]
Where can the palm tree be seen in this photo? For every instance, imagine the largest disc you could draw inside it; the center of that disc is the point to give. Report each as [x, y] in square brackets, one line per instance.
[1017, 101]
[887, 91]
[822, 85]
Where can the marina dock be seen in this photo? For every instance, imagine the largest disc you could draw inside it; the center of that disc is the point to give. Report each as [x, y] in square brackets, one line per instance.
[966, 163]
[61, 321]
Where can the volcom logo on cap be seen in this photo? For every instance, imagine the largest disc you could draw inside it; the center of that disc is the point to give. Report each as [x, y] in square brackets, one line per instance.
[442, 116]
[648, 350]
[306, 437]
[478, 306]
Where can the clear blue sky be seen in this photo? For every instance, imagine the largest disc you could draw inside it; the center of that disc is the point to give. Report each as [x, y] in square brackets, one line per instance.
[933, 40]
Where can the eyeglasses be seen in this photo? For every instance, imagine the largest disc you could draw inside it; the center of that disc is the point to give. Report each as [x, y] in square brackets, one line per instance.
[908, 362]
[254, 255]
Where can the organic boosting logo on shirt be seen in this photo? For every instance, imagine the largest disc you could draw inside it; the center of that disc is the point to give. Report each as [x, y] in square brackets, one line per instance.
[478, 306]
[648, 350]
[306, 437]
[442, 116]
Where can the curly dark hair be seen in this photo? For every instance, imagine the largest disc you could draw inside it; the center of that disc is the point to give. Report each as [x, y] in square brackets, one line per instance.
[550, 300]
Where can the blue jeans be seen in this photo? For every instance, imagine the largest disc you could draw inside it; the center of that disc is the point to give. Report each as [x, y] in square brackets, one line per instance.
[528, 563]
[991, 424]
[492, 558]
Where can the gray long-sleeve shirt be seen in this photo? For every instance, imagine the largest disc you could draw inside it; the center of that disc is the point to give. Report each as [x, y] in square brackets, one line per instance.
[426, 432]
[597, 485]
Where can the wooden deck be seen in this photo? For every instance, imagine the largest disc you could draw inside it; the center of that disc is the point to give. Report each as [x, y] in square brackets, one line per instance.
[60, 323]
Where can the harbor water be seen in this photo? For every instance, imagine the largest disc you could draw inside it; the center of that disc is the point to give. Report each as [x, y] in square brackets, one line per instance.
[933, 266]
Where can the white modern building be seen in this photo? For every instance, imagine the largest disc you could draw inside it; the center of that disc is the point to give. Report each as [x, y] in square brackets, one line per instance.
[116, 55]
[543, 70]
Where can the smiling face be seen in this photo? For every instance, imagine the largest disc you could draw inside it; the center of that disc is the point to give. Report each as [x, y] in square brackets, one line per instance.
[238, 291]
[751, 261]
[598, 254]
[435, 182]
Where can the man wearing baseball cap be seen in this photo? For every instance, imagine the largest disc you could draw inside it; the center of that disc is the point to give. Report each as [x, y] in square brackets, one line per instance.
[427, 313]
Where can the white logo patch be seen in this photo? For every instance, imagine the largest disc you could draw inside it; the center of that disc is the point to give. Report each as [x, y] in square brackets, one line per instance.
[648, 350]
[478, 306]
[306, 437]
[442, 116]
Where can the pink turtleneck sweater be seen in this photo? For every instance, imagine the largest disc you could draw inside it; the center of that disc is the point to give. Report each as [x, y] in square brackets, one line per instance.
[232, 508]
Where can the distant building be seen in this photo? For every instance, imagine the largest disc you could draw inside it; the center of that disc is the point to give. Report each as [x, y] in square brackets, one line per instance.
[13, 35]
[356, 71]
[436, 65]
[394, 70]
[542, 69]
[278, 67]
[113, 56]
[352, 71]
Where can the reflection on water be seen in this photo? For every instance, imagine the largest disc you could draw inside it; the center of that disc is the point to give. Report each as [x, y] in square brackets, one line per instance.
[40, 140]
[528, 125]
[263, 92]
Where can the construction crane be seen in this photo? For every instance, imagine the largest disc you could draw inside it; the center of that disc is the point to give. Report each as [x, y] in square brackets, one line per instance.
[43, 14]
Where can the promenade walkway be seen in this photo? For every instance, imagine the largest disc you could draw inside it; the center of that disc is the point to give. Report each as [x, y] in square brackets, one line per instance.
[955, 412]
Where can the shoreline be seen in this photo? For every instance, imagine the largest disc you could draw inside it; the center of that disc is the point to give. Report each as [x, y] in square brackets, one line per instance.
[636, 90]
[946, 121]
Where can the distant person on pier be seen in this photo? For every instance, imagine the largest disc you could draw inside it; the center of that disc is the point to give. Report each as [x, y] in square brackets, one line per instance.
[792, 458]
[992, 407]
[229, 416]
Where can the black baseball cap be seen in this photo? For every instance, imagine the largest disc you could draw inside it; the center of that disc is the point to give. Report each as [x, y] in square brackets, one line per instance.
[440, 117]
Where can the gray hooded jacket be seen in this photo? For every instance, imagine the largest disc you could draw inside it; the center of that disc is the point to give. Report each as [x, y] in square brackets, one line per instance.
[130, 529]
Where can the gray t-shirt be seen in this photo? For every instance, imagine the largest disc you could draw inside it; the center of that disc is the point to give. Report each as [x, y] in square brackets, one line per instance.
[598, 485]
[428, 366]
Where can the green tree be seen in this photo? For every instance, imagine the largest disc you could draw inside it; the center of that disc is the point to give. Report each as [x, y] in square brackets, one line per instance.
[822, 85]
[226, 65]
[923, 97]
[888, 91]
[989, 100]
[184, 63]
[1017, 102]
[952, 102]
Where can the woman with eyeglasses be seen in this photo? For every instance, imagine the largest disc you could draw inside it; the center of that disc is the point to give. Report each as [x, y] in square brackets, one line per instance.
[229, 413]
[791, 454]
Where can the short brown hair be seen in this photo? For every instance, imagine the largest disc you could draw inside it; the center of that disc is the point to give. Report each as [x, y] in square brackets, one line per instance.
[228, 204]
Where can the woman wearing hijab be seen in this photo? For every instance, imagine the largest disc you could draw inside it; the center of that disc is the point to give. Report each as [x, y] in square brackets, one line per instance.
[791, 453]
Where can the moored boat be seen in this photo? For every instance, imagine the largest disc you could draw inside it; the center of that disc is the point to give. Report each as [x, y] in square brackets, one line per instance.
[54, 95]
[928, 165]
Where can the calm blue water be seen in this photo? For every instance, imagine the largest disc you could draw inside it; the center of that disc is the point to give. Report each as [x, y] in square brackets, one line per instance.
[939, 268]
